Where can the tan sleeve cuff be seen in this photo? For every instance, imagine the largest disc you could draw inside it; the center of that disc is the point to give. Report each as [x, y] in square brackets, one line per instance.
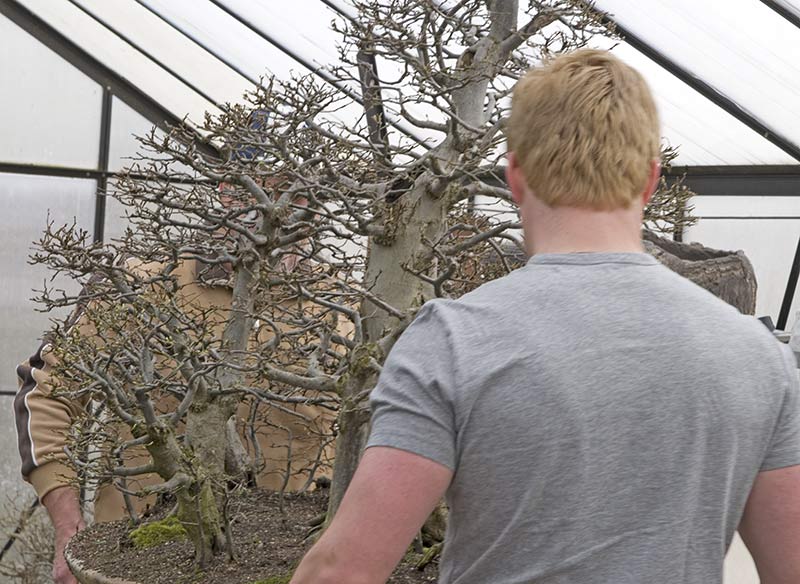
[49, 476]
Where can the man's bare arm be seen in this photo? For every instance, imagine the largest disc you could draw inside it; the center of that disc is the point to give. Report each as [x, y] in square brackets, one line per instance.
[392, 494]
[65, 512]
[770, 525]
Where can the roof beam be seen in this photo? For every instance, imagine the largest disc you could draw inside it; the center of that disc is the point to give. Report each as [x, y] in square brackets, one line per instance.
[738, 181]
[784, 11]
[56, 171]
[94, 69]
[791, 170]
[718, 181]
[703, 88]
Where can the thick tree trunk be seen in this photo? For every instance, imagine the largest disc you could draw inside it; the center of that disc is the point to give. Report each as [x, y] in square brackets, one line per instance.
[238, 464]
[198, 512]
[194, 481]
[416, 218]
[350, 442]
[353, 423]
[200, 503]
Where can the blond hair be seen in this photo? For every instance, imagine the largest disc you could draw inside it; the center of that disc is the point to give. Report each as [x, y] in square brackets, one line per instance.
[585, 130]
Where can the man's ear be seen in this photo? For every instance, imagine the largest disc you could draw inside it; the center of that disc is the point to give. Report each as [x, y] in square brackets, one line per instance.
[652, 181]
[514, 178]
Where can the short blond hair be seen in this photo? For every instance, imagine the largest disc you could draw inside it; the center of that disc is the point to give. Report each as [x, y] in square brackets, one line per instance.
[585, 130]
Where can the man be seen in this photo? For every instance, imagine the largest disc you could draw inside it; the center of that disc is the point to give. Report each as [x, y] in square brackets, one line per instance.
[592, 417]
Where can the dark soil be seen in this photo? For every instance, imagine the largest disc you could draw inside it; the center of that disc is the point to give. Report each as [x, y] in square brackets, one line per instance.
[268, 543]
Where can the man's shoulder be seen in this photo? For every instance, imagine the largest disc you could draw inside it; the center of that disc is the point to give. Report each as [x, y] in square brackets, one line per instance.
[713, 323]
[507, 287]
[473, 318]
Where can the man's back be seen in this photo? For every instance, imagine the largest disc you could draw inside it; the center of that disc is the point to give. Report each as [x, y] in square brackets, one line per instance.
[605, 419]
[592, 417]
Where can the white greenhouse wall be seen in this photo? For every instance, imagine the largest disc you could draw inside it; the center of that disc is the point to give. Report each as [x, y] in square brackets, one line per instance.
[766, 229]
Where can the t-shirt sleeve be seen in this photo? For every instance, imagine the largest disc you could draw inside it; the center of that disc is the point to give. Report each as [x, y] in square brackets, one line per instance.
[412, 404]
[784, 448]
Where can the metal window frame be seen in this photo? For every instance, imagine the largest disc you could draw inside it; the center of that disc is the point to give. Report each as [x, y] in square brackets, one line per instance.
[131, 94]
[739, 181]
[112, 84]
[719, 181]
[102, 164]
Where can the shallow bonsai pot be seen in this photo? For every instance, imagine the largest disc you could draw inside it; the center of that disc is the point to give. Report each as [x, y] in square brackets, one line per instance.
[85, 575]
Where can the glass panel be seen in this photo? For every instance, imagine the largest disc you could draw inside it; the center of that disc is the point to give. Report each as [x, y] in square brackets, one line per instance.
[26, 201]
[38, 129]
[225, 36]
[126, 125]
[705, 134]
[304, 27]
[236, 43]
[173, 49]
[119, 56]
[745, 50]
[753, 206]
[736, 223]
[116, 222]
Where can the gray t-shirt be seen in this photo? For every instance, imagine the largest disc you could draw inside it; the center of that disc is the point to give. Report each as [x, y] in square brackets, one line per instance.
[605, 419]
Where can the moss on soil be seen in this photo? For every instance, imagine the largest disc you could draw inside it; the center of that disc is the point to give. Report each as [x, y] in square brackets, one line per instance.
[158, 532]
[268, 544]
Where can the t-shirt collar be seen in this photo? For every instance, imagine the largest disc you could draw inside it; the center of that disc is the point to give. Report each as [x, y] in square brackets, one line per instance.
[593, 258]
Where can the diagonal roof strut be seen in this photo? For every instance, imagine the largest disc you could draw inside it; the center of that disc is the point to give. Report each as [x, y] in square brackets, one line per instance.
[781, 8]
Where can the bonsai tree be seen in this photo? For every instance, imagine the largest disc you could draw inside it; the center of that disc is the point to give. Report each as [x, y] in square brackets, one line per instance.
[172, 367]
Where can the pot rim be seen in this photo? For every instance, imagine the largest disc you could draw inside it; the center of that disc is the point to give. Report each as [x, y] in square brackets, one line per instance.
[86, 575]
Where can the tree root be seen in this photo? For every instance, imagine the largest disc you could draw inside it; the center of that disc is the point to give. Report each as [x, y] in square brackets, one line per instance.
[433, 553]
[316, 525]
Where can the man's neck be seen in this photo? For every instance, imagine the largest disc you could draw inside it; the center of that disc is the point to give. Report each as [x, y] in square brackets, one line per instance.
[571, 230]
[588, 245]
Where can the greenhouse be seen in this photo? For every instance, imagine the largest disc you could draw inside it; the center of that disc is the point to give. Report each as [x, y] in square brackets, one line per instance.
[82, 79]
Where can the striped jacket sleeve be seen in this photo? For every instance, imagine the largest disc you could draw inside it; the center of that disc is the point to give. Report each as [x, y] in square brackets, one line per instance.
[43, 421]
